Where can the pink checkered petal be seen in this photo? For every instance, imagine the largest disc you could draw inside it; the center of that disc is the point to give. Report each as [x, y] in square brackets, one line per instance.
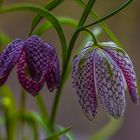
[53, 69]
[8, 59]
[109, 84]
[36, 57]
[124, 62]
[83, 83]
[29, 84]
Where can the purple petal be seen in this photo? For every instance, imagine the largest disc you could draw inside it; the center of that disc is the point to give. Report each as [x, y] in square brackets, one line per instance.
[109, 84]
[83, 83]
[8, 59]
[53, 73]
[124, 62]
[26, 81]
[36, 57]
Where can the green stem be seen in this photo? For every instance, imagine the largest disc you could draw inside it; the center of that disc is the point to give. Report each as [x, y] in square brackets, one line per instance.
[42, 108]
[56, 101]
[92, 35]
[103, 25]
[8, 125]
[108, 130]
[48, 7]
[101, 20]
[65, 66]
[23, 110]
[86, 12]
[9, 108]
[30, 119]
[114, 12]
[35, 130]
[23, 100]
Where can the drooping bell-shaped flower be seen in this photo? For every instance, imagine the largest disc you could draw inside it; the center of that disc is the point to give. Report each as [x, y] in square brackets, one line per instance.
[37, 63]
[103, 72]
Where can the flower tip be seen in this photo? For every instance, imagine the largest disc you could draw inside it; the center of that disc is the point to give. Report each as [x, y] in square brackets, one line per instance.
[34, 94]
[135, 98]
[137, 101]
[118, 115]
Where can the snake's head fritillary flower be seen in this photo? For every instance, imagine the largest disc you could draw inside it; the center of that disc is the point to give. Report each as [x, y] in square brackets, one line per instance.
[103, 72]
[36, 61]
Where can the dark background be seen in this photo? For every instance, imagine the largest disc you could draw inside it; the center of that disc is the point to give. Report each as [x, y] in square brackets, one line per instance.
[125, 26]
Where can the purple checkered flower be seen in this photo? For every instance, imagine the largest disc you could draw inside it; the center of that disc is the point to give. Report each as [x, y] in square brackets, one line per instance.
[104, 72]
[36, 61]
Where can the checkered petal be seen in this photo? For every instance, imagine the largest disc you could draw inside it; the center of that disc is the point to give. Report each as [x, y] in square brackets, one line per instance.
[36, 57]
[29, 84]
[124, 62]
[109, 84]
[83, 83]
[8, 59]
[53, 72]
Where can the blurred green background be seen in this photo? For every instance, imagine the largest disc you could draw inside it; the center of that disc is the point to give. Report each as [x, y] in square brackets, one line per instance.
[126, 27]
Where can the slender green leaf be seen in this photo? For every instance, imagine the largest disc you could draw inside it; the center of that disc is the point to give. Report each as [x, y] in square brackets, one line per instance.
[63, 21]
[107, 131]
[33, 117]
[56, 135]
[67, 135]
[49, 7]
[45, 13]
[86, 12]
[111, 14]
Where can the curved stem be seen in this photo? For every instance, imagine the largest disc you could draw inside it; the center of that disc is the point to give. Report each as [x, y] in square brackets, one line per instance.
[92, 35]
[102, 19]
[103, 25]
[114, 12]
[42, 108]
[38, 18]
[63, 21]
[66, 64]
[45, 13]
